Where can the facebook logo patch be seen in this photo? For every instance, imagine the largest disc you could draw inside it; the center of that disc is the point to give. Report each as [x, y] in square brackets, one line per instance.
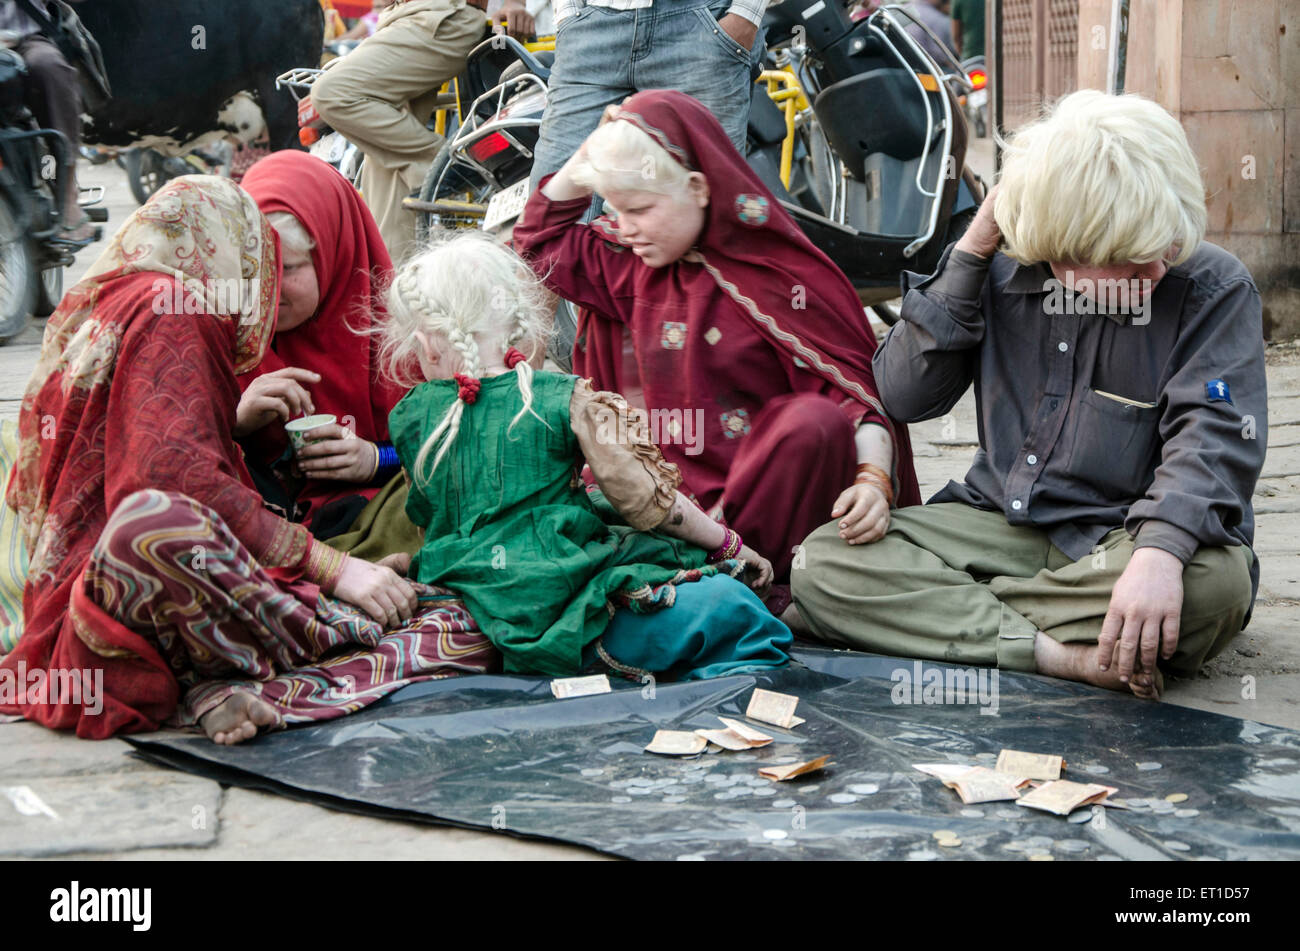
[1217, 391]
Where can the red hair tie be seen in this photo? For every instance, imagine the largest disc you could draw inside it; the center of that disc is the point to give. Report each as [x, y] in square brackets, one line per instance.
[514, 358]
[469, 387]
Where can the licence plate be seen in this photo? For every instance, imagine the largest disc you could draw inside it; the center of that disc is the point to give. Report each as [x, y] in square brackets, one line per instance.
[506, 205]
[978, 98]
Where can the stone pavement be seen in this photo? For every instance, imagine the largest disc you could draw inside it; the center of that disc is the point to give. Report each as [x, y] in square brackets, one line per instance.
[111, 805]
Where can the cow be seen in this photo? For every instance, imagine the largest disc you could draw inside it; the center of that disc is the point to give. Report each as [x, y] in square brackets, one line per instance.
[188, 72]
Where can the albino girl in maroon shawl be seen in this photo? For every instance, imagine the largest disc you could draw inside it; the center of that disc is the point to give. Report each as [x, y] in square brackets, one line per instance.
[737, 324]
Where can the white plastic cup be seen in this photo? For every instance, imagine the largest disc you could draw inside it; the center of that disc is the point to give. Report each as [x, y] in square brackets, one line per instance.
[300, 430]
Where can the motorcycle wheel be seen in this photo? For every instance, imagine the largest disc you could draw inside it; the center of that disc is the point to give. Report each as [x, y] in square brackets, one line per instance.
[448, 179]
[49, 291]
[18, 279]
[145, 173]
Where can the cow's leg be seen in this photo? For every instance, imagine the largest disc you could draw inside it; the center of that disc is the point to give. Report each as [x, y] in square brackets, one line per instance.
[281, 114]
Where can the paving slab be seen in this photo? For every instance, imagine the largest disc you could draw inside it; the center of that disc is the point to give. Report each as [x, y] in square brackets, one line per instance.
[28, 750]
[44, 816]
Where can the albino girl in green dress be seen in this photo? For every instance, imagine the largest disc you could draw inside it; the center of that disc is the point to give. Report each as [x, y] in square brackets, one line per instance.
[632, 575]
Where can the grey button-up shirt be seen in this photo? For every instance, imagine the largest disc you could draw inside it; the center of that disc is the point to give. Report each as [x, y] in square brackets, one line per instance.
[1154, 421]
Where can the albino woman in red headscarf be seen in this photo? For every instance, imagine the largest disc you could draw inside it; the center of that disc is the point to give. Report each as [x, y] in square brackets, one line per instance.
[335, 267]
[750, 347]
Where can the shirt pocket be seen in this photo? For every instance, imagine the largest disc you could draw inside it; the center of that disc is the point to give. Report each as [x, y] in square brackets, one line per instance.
[1115, 446]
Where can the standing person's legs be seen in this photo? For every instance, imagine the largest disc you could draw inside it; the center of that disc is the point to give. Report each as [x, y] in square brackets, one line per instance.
[54, 96]
[795, 461]
[366, 98]
[591, 72]
[688, 51]
[917, 591]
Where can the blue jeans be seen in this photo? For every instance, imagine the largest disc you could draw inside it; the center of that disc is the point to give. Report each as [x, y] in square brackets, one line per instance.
[602, 56]
[716, 627]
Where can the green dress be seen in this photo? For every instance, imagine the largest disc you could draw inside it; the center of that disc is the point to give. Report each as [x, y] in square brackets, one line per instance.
[510, 528]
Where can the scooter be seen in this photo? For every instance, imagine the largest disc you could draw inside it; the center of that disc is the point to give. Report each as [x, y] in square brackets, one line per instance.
[314, 133]
[33, 251]
[892, 187]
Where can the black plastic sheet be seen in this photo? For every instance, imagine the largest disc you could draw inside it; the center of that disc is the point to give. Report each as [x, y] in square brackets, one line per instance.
[501, 753]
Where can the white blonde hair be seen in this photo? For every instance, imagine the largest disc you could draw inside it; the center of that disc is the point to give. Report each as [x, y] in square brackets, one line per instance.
[1100, 180]
[467, 291]
[623, 157]
[293, 235]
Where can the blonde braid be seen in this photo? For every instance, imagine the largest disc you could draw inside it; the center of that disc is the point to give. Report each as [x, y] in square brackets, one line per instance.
[466, 345]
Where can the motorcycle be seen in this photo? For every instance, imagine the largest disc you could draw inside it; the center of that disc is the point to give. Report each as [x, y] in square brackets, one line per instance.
[479, 177]
[148, 170]
[33, 251]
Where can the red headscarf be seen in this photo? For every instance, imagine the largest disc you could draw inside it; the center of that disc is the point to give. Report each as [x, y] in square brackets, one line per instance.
[757, 254]
[352, 266]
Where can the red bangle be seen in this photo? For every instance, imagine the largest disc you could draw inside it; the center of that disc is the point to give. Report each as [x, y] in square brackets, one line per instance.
[730, 547]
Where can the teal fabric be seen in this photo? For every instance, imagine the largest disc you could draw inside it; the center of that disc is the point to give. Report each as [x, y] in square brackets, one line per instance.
[716, 627]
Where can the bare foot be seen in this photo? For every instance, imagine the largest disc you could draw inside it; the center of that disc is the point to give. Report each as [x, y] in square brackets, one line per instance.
[238, 718]
[1079, 662]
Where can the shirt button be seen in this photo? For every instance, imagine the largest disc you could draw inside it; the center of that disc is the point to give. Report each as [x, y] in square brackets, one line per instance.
[1032, 459]
[1017, 505]
[1063, 346]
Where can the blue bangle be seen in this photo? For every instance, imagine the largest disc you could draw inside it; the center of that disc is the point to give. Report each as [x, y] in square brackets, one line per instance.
[388, 456]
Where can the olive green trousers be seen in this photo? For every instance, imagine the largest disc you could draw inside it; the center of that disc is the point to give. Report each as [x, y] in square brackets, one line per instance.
[955, 583]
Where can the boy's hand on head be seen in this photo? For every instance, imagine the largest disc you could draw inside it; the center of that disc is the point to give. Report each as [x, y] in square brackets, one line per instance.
[280, 394]
[983, 236]
[338, 454]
